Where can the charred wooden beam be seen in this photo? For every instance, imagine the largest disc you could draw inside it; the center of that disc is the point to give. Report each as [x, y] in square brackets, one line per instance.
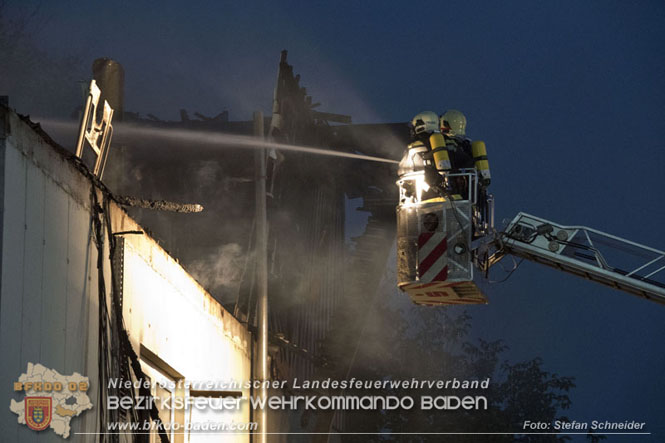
[158, 205]
[337, 118]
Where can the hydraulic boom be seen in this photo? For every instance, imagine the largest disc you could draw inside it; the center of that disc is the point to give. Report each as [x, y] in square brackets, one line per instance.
[588, 253]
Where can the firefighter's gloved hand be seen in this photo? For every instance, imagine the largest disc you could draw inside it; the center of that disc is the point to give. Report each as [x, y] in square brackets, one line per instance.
[446, 188]
[432, 177]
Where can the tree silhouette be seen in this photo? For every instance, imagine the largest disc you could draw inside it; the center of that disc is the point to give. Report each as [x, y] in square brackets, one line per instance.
[434, 344]
[36, 80]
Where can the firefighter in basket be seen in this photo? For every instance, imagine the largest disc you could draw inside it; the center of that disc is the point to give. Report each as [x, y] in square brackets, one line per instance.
[428, 153]
[463, 152]
[466, 154]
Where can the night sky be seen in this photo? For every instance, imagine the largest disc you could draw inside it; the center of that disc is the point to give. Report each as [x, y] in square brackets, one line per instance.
[569, 97]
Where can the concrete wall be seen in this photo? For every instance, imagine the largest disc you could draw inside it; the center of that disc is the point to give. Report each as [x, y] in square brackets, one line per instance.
[48, 298]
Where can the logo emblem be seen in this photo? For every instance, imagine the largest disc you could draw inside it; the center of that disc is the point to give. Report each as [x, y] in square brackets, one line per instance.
[38, 412]
[430, 222]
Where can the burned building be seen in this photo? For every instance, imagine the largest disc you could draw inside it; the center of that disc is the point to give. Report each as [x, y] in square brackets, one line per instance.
[87, 293]
[320, 281]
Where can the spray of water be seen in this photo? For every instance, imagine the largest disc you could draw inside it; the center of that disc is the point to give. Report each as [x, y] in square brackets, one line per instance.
[128, 131]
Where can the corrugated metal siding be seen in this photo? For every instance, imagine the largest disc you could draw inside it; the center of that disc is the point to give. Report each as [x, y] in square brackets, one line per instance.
[46, 278]
[310, 305]
[48, 298]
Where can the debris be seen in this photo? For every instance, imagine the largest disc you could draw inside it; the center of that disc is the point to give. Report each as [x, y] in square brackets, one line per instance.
[159, 205]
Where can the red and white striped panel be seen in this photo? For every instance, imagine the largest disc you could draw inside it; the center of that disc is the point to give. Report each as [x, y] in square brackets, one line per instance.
[432, 259]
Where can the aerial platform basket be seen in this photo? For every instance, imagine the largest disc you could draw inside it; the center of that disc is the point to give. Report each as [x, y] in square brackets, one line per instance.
[434, 256]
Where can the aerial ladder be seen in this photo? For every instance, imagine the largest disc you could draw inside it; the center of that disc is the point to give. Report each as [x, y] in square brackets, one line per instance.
[442, 239]
[586, 252]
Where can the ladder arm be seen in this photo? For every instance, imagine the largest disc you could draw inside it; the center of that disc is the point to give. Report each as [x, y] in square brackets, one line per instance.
[588, 253]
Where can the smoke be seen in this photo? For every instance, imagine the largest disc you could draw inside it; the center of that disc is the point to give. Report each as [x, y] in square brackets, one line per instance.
[313, 274]
[207, 173]
[252, 77]
[221, 271]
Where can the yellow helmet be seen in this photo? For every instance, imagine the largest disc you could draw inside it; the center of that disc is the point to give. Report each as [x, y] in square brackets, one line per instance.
[426, 121]
[453, 122]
